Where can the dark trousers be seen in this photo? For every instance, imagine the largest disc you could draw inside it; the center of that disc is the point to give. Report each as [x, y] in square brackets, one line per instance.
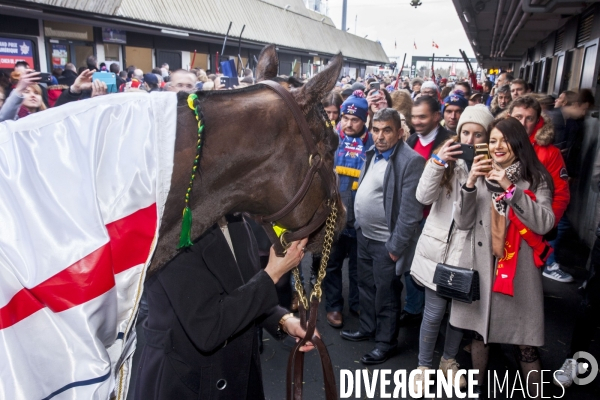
[379, 292]
[332, 285]
[588, 315]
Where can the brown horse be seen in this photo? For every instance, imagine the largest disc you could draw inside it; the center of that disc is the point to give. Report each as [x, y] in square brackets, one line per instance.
[253, 159]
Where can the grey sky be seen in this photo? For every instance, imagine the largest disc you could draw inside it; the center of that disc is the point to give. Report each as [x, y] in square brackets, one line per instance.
[389, 20]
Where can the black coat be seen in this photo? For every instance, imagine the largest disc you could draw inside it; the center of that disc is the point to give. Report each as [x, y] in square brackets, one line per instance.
[442, 135]
[203, 312]
[67, 78]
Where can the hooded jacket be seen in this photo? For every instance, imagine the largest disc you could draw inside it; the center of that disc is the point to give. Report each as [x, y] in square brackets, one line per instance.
[550, 156]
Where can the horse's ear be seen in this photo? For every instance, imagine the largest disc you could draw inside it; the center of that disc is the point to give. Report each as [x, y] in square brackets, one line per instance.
[268, 64]
[321, 84]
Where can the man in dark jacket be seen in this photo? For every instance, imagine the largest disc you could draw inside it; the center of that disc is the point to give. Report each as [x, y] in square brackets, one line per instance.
[204, 308]
[387, 217]
[429, 135]
[68, 76]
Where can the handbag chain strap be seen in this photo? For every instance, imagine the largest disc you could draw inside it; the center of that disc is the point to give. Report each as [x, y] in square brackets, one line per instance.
[452, 229]
[473, 248]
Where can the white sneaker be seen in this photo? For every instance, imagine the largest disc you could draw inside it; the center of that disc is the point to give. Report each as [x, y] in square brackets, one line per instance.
[565, 375]
[554, 272]
[451, 364]
[420, 378]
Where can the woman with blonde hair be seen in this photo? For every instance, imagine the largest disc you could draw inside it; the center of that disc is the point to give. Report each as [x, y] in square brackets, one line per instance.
[32, 101]
[402, 102]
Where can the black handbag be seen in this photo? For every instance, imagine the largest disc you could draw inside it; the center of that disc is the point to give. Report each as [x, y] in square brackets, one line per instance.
[457, 283]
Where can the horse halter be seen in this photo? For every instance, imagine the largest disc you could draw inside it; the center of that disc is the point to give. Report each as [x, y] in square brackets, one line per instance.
[316, 164]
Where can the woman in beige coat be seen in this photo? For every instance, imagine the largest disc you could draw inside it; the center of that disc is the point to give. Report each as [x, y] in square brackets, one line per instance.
[506, 208]
[440, 242]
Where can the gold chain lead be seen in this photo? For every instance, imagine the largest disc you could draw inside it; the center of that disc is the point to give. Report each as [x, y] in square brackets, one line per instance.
[327, 243]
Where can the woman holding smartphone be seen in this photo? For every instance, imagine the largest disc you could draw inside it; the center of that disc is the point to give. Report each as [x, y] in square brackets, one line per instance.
[440, 184]
[506, 202]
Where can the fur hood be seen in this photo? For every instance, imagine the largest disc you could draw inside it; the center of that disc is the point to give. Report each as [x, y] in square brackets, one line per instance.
[545, 135]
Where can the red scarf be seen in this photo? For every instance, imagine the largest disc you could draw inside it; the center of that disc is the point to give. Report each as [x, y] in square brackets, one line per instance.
[507, 265]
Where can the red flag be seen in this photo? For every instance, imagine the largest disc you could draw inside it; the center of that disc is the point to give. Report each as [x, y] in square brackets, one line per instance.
[434, 44]
[415, 44]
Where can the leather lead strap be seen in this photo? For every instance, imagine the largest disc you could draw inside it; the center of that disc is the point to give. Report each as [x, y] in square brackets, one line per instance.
[296, 360]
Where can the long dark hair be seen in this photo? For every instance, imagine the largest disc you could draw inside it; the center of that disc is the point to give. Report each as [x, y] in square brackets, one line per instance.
[333, 99]
[533, 171]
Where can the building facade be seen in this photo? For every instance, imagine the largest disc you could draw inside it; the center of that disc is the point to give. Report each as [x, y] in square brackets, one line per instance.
[183, 33]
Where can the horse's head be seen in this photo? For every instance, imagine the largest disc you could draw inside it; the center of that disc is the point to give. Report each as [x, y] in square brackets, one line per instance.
[306, 217]
[255, 158]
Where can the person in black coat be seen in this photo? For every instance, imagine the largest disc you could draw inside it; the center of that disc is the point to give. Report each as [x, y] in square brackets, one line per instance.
[204, 308]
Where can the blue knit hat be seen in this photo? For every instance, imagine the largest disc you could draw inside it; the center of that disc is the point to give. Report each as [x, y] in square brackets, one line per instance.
[356, 105]
[455, 99]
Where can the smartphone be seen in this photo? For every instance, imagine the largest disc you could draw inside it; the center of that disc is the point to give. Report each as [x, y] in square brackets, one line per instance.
[468, 151]
[107, 77]
[375, 86]
[482, 149]
[229, 82]
[46, 78]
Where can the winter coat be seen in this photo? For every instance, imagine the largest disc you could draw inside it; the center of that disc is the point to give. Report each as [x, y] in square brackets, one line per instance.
[11, 106]
[551, 157]
[67, 78]
[434, 238]
[403, 212]
[204, 308]
[500, 318]
[349, 159]
[442, 135]
[495, 108]
[542, 139]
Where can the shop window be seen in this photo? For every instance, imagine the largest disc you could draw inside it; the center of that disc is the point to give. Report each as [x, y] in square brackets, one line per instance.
[559, 72]
[173, 58]
[589, 66]
[111, 52]
[285, 68]
[545, 78]
[200, 61]
[82, 52]
[141, 57]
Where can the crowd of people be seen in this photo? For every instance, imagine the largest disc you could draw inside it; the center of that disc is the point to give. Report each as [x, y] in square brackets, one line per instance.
[414, 199]
[21, 92]
[501, 213]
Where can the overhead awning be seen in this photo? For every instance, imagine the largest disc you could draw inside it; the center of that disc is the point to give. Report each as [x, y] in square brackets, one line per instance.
[501, 31]
[286, 23]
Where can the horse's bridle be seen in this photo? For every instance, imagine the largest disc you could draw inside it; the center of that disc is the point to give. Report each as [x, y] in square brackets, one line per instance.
[315, 161]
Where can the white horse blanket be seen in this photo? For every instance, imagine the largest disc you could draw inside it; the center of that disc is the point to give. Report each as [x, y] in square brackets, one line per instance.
[82, 191]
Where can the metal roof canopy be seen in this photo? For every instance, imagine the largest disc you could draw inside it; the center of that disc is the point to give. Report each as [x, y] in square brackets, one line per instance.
[291, 26]
[443, 59]
[501, 32]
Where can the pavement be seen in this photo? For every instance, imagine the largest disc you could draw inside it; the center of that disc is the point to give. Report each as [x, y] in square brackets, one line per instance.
[561, 301]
